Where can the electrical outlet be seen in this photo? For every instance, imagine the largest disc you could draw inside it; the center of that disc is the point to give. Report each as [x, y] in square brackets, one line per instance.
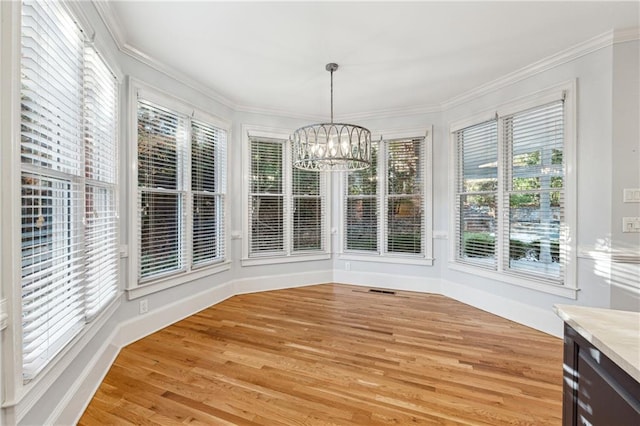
[144, 306]
[347, 266]
[631, 195]
[631, 224]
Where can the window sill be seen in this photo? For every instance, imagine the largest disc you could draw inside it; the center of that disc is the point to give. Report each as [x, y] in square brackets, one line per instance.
[538, 285]
[173, 280]
[28, 394]
[388, 258]
[273, 260]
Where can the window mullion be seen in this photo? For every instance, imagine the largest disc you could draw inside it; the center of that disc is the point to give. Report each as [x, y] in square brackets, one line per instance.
[381, 196]
[325, 240]
[220, 197]
[502, 202]
[288, 199]
[424, 234]
[187, 214]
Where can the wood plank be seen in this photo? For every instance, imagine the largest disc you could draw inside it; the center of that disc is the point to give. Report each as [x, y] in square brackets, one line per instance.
[335, 354]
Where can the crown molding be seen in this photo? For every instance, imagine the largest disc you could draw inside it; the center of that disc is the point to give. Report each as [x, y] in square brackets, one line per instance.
[177, 75]
[250, 109]
[109, 19]
[606, 39]
[627, 34]
[567, 55]
[387, 113]
[394, 112]
[112, 23]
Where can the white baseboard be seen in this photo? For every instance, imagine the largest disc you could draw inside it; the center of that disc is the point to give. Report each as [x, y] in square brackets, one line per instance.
[388, 281]
[544, 320]
[79, 395]
[77, 399]
[138, 327]
[540, 319]
[279, 282]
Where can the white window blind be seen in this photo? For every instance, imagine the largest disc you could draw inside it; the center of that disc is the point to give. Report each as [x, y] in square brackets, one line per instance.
[68, 158]
[404, 196]
[511, 208]
[477, 194]
[308, 211]
[394, 185]
[52, 196]
[361, 207]
[161, 192]
[286, 206]
[208, 184]
[181, 191]
[535, 196]
[266, 197]
[101, 233]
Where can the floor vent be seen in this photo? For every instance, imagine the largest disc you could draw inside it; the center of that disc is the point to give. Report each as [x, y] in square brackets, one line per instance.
[378, 291]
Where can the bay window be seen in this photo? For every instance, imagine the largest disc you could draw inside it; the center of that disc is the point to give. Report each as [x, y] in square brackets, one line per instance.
[69, 117]
[385, 206]
[181, 166]
[512, 174]
[361, 203]
[286, 207]
[266, 202]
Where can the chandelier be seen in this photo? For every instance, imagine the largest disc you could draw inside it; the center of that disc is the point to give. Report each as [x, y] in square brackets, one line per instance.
[331, 146]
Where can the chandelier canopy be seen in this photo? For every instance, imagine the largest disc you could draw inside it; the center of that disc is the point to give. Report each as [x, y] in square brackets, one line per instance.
[331, 146]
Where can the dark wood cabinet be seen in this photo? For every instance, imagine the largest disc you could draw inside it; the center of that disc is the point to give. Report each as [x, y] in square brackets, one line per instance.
[596, 390]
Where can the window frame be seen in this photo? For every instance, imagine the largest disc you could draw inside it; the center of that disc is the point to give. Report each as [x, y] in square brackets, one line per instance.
[21, 396]
[281, 195]
[287, 255]
[69, 208]
[382, 255]
[569, 287]
[138, 288]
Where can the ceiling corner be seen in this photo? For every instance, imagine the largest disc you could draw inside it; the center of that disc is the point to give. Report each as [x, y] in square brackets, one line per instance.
[110, 20]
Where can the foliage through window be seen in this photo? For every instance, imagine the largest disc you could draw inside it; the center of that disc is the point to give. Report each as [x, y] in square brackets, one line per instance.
[181, 191]
[525, 186]
[286, 205]
[361, 221]
[394, 184]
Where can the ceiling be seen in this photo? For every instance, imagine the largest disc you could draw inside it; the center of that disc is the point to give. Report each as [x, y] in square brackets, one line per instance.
[392, 55]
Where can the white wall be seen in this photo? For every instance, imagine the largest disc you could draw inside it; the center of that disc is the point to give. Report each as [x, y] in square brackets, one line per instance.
[607, 79]
[625, 274]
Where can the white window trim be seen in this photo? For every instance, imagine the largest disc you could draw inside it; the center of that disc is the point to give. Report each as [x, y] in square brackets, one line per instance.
[135, 288]
[425, 258]
[251, 131]
[172, 280]
[568, 90]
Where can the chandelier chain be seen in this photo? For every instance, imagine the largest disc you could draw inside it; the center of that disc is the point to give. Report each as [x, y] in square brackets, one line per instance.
[331, 95]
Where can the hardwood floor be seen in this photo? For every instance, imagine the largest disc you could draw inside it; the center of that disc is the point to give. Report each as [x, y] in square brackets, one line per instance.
[335, 355]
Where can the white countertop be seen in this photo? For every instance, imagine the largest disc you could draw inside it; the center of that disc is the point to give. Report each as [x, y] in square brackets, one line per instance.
[615, 333]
